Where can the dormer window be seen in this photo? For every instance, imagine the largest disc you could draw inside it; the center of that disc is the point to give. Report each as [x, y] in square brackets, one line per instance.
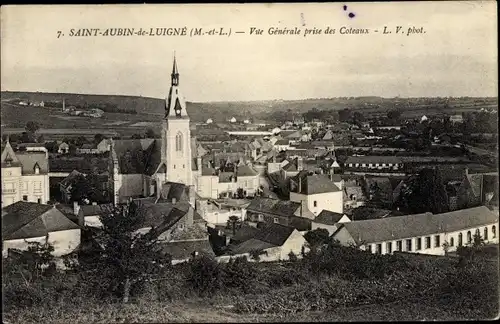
[37, 168]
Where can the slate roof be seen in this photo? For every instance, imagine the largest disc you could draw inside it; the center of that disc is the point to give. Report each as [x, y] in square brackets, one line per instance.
[244, 233]
[26, 220]
[282, 142]
[170, 190]
[291, 166]
[182, 250]
[400, 227]
[311, 184]
[165, 214]
[246, 171]
[373, 159]
[273, 206]
[95, 210]
[275, 234]
[28, 161]
[71, 177]
[249, 246]
[328, 217]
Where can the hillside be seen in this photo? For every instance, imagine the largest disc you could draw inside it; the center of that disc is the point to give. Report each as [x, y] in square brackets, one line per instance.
[148, 109]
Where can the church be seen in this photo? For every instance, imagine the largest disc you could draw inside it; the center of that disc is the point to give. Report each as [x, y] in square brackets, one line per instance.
[140, 167]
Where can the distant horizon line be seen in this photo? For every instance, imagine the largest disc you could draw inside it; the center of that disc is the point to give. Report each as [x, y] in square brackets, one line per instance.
[255, 100]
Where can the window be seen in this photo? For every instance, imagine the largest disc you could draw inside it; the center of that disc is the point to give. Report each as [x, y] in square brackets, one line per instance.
[315, 203]
[181, 226]
[428, 242]
[486, 233]
[378, 249]
[37, 170]
[399, 245]
[478, 232]
[174, 166]
[178, 142]
[437, 241]
[408, 245]
[37, 186]
[460, 239]
[469, 237]
[39, 200]
[370, 248]
[452, 241]
[419, 244]
[25, 198]
[389, 247]
[183, 166]
[276, 220]
[261, 218]
[493, 231]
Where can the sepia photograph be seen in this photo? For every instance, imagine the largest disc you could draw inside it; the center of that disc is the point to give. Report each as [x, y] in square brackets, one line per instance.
[305, 162]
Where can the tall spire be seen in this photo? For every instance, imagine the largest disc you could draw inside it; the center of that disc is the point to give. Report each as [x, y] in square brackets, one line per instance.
[175, 73]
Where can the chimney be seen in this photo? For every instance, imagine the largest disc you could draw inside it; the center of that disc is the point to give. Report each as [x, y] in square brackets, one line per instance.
[174, 200]
[76, 208]
[190, 216]
[192, 196]
[299, 163]
[94, 203]
[300, 184]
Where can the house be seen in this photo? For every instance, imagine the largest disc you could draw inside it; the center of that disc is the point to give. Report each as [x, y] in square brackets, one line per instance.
[104, 145]
[457, 118]
[214, 212]
[318, 191]
[282, 145]
[209, 121]
[33, 147]
[273, 242]
[293, 167]
[383, 190]
[289, 213]
[374, 162]
[63, 148]
[476, 189]
[328, 135]
[329, 221]
[89, 215]
[25, 176]
[354, 195]
[24, 222]
[87, 149]
[421, 233]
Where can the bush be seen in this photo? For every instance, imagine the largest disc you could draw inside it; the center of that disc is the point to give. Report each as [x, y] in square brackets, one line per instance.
[205, 275]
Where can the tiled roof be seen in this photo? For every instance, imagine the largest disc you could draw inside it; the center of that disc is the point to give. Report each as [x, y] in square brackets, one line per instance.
[400, 227]
[328, 217]
[282, 142]
[244, 233]
[311, 184]
[225, 177]
[273, 206]
[26, 220]
[164, 215]
[373, 159]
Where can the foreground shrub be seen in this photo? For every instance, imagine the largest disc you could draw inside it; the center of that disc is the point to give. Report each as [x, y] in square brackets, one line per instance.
[205, 275]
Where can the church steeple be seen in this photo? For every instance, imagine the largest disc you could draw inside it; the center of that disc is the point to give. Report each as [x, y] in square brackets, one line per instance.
[175, 73]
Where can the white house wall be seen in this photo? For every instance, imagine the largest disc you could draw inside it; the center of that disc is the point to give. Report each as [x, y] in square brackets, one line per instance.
[295, 243]
[332, 201]
[64, 242]
[128, 185]
[443, 237]
[15, 186]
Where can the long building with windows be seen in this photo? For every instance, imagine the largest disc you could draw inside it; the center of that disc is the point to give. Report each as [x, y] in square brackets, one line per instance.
[421, 233]
[25, 176]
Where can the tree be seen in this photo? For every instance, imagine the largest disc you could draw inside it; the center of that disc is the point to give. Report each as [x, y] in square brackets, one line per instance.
[317, 238]
[32, 127]
[98, 138]
[394, 114]
[425, 193]
[51, 146]
[150, 133]
[240, 193]
[27, 137]
[80, 189]
[136, 136]
[233, 222]
[127, 258]
[344, 115]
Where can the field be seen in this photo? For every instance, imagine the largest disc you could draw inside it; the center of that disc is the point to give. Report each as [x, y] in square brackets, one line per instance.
[149, 109]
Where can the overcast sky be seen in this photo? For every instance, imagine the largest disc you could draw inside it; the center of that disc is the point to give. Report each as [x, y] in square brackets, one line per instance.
[456, 57]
